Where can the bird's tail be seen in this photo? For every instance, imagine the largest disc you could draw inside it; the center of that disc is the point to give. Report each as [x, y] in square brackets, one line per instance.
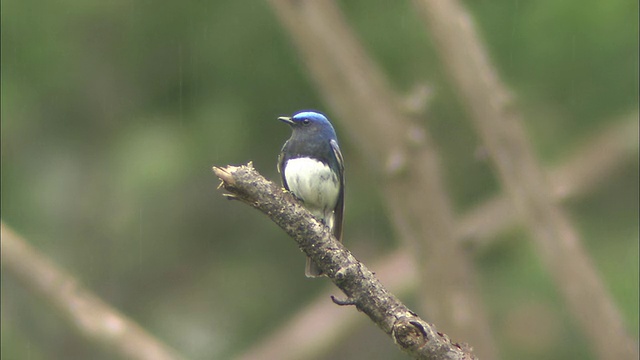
[312, 270]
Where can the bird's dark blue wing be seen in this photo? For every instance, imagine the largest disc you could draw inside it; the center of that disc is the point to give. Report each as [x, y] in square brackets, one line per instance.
[339, 209]
[281, 160]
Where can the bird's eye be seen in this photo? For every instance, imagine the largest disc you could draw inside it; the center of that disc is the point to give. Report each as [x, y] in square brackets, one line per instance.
[306, 121]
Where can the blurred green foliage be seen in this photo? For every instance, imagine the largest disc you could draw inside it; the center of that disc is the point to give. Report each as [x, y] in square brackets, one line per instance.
[114, 112]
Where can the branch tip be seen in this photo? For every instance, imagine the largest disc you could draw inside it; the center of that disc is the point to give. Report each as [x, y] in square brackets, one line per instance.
[226, 174]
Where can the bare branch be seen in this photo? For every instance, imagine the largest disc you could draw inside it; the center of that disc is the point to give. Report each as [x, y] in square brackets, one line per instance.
[501, 128]
[90, 316]
[595, 161]
[590, 165]
[412, 334]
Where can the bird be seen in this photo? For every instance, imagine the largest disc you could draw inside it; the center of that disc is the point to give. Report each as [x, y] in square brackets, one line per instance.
[312, 169]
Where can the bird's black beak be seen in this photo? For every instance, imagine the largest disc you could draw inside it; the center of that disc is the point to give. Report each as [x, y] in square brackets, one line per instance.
[286, 120]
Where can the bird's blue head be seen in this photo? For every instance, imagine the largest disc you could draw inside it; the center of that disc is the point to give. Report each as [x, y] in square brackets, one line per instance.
[311, 122]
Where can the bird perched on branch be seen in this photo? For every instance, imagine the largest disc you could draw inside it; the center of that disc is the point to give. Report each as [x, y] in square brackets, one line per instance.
[312, 168]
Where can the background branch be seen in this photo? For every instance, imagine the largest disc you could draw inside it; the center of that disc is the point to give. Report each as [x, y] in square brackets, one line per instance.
[501, 128]
[412, 334]
[90, 316]
[589, 166]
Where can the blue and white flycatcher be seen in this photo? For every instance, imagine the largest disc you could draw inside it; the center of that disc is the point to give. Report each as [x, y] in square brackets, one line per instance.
[312, 168]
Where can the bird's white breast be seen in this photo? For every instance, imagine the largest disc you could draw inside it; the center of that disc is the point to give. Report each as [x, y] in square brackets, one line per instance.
[314, 183]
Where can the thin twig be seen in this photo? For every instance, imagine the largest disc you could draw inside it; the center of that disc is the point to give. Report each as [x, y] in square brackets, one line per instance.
[90, 316]
[412, 334]
[500, 126]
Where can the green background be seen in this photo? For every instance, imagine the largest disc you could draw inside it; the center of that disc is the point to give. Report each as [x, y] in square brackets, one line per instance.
[113, 113]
